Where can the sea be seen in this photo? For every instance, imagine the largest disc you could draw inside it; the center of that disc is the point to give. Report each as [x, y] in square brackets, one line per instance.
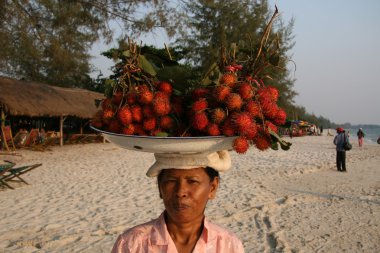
[371, 134]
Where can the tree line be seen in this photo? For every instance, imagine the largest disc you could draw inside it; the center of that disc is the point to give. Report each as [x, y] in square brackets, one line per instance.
[49, 40]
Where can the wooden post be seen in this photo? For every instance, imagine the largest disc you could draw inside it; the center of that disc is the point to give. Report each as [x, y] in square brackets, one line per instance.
[61, 120]
[2, 117]
[2, 125]
[81, 127]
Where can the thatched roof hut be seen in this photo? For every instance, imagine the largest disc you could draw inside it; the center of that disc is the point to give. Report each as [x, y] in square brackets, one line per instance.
[20, 98]
[33, 99]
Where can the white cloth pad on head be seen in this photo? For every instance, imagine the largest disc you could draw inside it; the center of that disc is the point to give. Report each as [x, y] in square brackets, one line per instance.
[220, 161]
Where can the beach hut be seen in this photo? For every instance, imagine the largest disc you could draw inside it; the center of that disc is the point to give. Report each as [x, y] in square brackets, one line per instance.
[45, 102]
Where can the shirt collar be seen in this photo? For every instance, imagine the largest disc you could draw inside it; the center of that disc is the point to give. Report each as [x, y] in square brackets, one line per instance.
[160, 234]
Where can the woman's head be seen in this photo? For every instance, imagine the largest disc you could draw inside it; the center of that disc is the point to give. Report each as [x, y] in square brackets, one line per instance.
[185, 192]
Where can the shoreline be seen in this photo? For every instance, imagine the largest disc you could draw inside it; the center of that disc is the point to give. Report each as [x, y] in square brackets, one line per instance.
[85, 195]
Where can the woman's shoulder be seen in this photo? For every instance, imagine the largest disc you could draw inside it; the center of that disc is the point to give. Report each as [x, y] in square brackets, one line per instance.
[140, 231]
[221, 233]
[134, 238]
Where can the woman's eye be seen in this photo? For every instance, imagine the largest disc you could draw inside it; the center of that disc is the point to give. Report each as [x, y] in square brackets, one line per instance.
[192, 181]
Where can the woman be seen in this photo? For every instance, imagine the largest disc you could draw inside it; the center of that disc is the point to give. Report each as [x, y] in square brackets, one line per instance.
[185, 184]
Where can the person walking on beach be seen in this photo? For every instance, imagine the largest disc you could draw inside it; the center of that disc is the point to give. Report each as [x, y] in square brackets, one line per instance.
[339, 142]
[360, 135]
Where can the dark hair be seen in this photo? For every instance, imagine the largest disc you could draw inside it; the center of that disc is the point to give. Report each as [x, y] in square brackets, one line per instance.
[211, 172]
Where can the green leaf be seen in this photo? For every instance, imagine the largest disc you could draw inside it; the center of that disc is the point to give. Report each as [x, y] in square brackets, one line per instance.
[284, 144]
[109, 85]
[162, 134]
[146, 65]
[126, 53]
[274, 145]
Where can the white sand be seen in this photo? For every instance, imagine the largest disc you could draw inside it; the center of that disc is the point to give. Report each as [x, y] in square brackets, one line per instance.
[295, 201]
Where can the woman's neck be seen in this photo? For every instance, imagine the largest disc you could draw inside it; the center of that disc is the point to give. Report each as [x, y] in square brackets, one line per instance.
[184, 235]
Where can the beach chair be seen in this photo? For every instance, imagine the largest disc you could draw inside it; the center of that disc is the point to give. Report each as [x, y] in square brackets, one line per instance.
[75, 138]
[5, 166]
[49, 141]
[32, 138]
[20, 137]
[7, 138]
[14, 174]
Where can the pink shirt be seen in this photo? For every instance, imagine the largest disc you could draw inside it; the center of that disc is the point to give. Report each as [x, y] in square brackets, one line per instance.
[153, 237]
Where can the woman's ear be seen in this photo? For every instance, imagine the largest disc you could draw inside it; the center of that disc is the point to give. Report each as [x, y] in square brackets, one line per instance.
[214, 184]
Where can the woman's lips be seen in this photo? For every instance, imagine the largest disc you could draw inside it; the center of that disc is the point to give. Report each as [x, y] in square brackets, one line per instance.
[181, 207]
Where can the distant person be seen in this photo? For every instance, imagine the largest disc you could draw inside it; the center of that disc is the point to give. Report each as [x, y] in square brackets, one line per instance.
[378, 140]
[339, 140]
[360, 135]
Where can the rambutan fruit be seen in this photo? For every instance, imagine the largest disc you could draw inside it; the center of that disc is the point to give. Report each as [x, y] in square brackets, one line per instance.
[199, 121]
[220, 92]
[240, 145]
[117, 98]
[114, 126]
[234, 102]
[96, 123]
[132, 97]
[228, 79]
[199, 105]
[280, 117]
[139, 130]
[161, 104]
[199, 93]
[147, 111]
[128, 129]
[213, 129]
[274, 92]
[241, 121]
[252, 108]
[228, 128]
[136, 113]
[262, 141]
[106, 103]
[108, 114]
[166, 122]
[124, 115]
[165, 87]
[146, 97]
[218, 115]
[270, 110]
[245, 91]
[149, 124]
[250, 132]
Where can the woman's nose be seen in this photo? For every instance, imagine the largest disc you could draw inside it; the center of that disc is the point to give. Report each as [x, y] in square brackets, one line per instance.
[181, 189]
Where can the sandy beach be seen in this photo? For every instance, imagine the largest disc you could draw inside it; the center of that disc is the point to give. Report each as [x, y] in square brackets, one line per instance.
[85, 195]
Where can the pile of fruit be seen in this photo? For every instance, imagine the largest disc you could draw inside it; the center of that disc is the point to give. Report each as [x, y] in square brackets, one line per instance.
[235, 103]
[236, 106]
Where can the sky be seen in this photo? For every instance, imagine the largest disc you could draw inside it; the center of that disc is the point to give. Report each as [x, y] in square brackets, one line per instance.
[336, 54]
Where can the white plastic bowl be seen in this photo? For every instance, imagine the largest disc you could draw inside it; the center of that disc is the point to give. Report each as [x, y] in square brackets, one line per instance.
[179, 145]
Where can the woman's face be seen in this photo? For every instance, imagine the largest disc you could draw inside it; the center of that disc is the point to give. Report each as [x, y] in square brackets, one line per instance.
[185, 193]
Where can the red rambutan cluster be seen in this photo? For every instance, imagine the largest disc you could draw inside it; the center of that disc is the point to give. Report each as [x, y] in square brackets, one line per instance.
[142, 110]
[236, 106]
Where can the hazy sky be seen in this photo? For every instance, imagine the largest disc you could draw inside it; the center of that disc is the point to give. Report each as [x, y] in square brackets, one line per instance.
[337, 55]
